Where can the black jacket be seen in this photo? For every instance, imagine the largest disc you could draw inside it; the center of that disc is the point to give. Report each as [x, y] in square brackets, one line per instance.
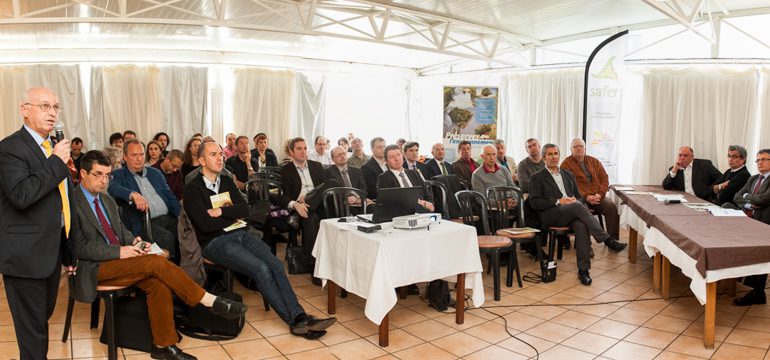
[760, 200]
[704, 175]
[197, 202]
[737, 180]
[544, 193]
[432, 169]
[270, 158]
[355, 175]
[371, 170]
[291, 185]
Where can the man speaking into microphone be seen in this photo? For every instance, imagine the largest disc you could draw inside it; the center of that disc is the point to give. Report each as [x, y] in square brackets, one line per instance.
[35, 190]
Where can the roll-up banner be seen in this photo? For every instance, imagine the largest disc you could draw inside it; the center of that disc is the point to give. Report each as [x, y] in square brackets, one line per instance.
[470, 113]
[602, 102]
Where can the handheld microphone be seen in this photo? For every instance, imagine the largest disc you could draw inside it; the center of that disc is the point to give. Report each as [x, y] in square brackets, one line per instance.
[59, 131]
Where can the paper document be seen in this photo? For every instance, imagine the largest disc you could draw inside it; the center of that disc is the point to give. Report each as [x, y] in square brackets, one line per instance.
[662, 197]
[155, 249]
[638, 193]
[624, 188]
[701, 206]
[517, 231]
[236, 225]
[726, 212]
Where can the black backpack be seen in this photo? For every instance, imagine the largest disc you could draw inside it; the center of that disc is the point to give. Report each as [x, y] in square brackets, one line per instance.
[200, 323]
[438, 295]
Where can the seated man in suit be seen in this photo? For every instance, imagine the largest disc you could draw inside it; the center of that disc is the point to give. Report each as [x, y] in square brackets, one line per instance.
[693, 176]
[374, 167]
[437, 165]
[734, 178]
[300, 177]
[171, 166]
[111, 255]
[398, 176]
[490, 174]
[345, 175]
[241, 164]
[754, 198]
[142, 188]
[555, 196]
[504, 160]
[593, 183]
[465, 165]
[411, 158]
[238, 249]
[530, 164]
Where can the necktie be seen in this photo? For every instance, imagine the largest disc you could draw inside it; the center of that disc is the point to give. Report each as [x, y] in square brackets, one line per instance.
[346, 178]
[111, 237]
[443, 168]
[402, 175]
[65, 202]
[759, 183]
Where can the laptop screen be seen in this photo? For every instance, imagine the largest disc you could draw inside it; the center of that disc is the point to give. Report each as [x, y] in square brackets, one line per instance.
[394, 202]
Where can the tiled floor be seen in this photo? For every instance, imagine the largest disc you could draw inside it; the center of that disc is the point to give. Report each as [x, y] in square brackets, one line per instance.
[562, 320]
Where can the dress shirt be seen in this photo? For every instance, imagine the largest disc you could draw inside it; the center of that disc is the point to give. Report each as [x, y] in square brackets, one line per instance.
[687, 179]
[324, 159]
[307, 182]
[212, 185]
[90, 198]
[559, 181]
[157, 205]
[400, 179]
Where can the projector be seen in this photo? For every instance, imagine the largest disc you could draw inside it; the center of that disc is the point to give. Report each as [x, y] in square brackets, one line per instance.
[415, 221]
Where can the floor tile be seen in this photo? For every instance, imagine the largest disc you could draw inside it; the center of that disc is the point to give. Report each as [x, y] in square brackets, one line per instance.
[356, 349]
[611, 328]
[592, 343]
[751, 338]
[290, 344]
[424, 352]
[650, 337]
[560, 352]
[397, 340]
[495, 352]
[625, 350]
[251, 349]
[738, 352]
[693, 346]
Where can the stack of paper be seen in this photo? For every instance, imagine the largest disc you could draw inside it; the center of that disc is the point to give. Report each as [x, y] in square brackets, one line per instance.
[517, 231]
[726, 212]
[664, 197]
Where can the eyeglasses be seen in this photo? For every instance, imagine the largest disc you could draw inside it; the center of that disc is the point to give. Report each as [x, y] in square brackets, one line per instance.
[734, 156]
[101, 176]
[47, 107]
[762, 159]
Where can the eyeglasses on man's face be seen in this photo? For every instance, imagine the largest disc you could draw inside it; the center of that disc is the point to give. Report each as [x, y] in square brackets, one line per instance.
[100, 175]
[47, 107]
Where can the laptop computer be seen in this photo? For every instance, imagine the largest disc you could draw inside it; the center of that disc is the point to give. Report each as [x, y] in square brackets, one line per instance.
[394, 202]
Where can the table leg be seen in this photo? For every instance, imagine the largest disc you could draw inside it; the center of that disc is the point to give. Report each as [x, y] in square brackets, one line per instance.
[656, 272]
[632, 238]
[331, 300]
[384, 331]
[460, 301]
[665, 278]
[709, 319]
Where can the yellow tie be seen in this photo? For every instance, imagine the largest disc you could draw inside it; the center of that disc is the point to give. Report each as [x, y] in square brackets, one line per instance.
[65, 202]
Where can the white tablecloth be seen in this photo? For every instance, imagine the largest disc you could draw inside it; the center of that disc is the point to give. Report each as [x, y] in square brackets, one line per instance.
[373, 265]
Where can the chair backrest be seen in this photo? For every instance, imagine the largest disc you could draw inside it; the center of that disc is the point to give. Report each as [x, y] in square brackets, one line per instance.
[265, 175]
[473, 209]
[335, 201]
[148, 227]
[499, 198]
[439, 192]
[262, 189]
[452, 184]
[270, 169]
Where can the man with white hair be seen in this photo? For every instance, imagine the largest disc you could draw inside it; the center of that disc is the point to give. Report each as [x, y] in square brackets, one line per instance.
[593, 184]
[490, 174]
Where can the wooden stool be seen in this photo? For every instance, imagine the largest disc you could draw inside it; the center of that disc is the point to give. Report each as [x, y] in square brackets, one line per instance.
[517, 239]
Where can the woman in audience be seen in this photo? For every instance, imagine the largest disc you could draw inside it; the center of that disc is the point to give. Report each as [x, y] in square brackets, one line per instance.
[163, 141]
[190, 161]
[287, 157]
[153, 153]
[115, 155]
[263, 156]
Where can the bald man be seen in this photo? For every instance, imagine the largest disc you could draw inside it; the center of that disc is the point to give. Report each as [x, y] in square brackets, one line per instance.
[490, 173]
[693, 176]
[438, 165]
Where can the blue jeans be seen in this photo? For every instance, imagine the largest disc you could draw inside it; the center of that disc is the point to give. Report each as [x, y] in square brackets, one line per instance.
[245, 254]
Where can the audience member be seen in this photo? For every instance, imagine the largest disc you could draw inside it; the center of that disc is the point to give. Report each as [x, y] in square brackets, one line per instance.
[734, 178]
[465, 165]
[593, 184]
[357, 158]
[190, 160]
[437, 165]
[411, 156]
[128, 135]
[110, 255]
[343, 141]
[138, 189]
[115, 155]
[286, 153]
[76, 151]
[345, 175]
[242, 164]
[374, 167]
[555, 195]
[398, 176]
[264, 155]
[400, 143]
[490, 173]
[327, 145]
[116, 140]
[238, 249]
[154, 153]
[171, 167]
[319, 153]
[504, 160]
[693, 176]
[230, 147]
[529, 165]
[163, 140]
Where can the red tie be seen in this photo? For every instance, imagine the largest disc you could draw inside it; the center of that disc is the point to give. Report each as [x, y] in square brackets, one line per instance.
[105, 225]
[759, 183]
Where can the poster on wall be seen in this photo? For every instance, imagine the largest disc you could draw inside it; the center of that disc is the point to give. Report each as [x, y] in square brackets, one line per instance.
[604, 72]
[470, 113]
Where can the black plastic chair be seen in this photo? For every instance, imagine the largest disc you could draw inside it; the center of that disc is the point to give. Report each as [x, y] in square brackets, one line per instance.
[503, 216]
[272, 169]
[260, 190]
[473, 206]
[439, 193]
[269, 175]
[335, 201]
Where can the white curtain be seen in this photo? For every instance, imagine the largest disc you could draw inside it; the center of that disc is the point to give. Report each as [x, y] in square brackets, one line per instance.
[262, 102]
[63, 80]
[707, 109]
[183, 94]
[763, 133]
[310, 108]
[546, 105]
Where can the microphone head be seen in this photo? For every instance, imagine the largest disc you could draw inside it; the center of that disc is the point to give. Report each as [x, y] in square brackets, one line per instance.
[58, 129]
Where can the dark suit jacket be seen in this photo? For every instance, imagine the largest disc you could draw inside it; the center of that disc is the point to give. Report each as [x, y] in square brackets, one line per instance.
[371, 170]
[544, 193]
[355, 175]
[432, 169]
[270, 158]
[761, 200]
[704, 174]
[388, 180]
[123, 184]
[92, 246]
[462, 170]
[292, 184]
[737, 180]
[30, 208]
